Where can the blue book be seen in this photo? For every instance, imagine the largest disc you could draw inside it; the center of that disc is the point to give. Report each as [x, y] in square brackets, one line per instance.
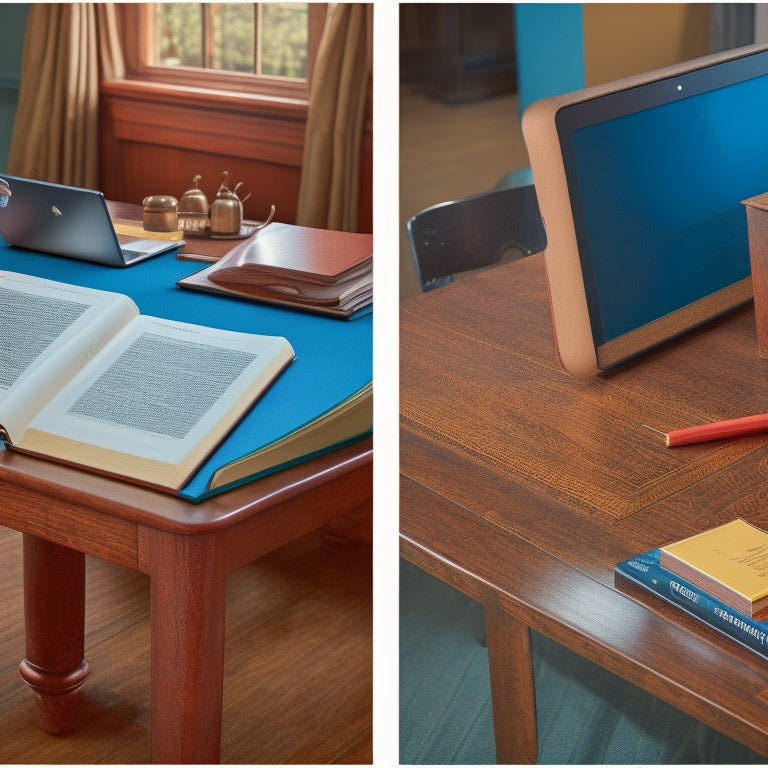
[646, 571]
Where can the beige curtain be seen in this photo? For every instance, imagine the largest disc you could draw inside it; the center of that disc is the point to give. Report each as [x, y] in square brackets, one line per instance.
[328, 195]
[67, 48]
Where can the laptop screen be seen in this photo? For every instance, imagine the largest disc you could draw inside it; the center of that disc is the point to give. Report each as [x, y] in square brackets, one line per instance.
[69, 221]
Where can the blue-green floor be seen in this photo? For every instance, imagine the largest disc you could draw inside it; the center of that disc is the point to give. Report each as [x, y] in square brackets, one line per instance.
[585, 714]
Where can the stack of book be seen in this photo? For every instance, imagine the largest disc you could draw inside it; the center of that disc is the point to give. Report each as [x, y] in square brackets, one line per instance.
[317, 270]
[719, 576]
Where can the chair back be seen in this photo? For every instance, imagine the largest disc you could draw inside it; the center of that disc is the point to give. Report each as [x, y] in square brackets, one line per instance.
[474, 232]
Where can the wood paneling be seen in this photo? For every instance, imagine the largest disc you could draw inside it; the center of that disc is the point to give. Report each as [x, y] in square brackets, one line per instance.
[156, 138]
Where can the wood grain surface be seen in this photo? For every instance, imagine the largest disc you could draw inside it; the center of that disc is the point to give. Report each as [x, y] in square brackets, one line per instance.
[523, 486]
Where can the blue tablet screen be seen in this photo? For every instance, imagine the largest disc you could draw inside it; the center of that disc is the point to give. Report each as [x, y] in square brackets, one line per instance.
[657, 198]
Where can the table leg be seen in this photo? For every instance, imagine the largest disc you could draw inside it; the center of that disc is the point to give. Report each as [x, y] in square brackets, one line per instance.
[188, 593]
[54, 616]
[512, 691]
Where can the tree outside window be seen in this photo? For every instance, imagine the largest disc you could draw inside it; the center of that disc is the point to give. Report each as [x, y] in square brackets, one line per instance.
[263, 39]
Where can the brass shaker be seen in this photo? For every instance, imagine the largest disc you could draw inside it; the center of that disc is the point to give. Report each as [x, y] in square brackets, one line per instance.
[226, 210]
[194, 199]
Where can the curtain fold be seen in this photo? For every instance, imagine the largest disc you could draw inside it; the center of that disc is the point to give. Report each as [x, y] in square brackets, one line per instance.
[67, 49]
[329, 189]
[732, 25]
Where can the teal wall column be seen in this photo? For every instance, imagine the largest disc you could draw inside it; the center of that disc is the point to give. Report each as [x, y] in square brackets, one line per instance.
[13, 22]
[549, 46]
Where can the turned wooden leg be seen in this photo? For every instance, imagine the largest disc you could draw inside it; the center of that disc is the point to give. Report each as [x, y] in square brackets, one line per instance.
[188, 593]
[512, 691]
[54, 616]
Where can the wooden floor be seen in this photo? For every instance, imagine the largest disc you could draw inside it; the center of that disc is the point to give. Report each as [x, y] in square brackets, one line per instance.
[449, 151]
[298, 671]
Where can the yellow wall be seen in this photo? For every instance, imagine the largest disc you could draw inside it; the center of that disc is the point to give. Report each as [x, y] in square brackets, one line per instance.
[622, 39]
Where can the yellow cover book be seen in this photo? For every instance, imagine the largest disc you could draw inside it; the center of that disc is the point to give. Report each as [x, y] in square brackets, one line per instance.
[729, 562]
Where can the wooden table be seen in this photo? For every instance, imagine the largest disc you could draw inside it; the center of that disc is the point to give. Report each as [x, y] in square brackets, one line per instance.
[523, 487]
[186, 549]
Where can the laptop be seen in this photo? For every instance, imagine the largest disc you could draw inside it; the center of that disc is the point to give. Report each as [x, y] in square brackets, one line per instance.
[72, 222]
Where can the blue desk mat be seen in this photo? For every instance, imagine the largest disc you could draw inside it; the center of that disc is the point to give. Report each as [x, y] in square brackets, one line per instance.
[334, 358]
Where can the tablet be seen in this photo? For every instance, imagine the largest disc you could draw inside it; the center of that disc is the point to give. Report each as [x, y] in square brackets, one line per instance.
[640, 184]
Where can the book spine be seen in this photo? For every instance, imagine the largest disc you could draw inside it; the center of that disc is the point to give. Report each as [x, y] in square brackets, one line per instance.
[646, 571]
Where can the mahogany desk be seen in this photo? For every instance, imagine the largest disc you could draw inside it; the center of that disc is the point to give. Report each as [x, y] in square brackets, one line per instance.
[523, 487]
[186, 549]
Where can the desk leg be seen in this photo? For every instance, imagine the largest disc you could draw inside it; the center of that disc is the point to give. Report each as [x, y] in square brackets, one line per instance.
[512, 692]
[188, 593]
[54, 616]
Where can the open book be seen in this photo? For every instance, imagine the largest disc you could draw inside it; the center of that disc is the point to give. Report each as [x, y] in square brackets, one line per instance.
[87, 380]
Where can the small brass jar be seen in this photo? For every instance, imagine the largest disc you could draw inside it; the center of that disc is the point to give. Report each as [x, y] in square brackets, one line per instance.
[161, 213]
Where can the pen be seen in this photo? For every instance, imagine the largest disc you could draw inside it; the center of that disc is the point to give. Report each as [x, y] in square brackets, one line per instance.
[746, 425]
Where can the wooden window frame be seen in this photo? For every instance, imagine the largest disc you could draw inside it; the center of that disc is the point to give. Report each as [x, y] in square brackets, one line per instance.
[137, 33]
[157, 131]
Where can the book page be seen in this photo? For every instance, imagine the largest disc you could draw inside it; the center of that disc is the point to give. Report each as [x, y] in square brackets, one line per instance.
[161, 391]
[49, 331]
[351, 418]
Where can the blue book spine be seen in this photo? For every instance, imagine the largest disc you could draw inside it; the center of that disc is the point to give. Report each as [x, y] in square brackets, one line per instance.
[646, 571]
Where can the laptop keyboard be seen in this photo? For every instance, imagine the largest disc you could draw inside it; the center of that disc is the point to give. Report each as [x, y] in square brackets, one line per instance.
[130, 255]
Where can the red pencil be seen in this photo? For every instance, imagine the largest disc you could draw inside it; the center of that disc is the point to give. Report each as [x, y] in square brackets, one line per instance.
[746, 425]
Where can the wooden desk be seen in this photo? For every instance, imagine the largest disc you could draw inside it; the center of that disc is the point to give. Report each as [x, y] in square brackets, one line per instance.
[187, 551]
[523, 487]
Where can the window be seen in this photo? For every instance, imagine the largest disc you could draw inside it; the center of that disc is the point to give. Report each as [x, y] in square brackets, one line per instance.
[259, 48]
[262, 39]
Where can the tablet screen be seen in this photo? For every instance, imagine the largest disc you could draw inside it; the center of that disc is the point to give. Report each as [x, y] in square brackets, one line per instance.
[641, 184]
[657, 203]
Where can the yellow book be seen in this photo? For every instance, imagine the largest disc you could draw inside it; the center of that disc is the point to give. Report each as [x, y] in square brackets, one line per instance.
[729, 562]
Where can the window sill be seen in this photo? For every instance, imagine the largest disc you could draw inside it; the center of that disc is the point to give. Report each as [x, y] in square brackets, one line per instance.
[206, 98]
[243, 125]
